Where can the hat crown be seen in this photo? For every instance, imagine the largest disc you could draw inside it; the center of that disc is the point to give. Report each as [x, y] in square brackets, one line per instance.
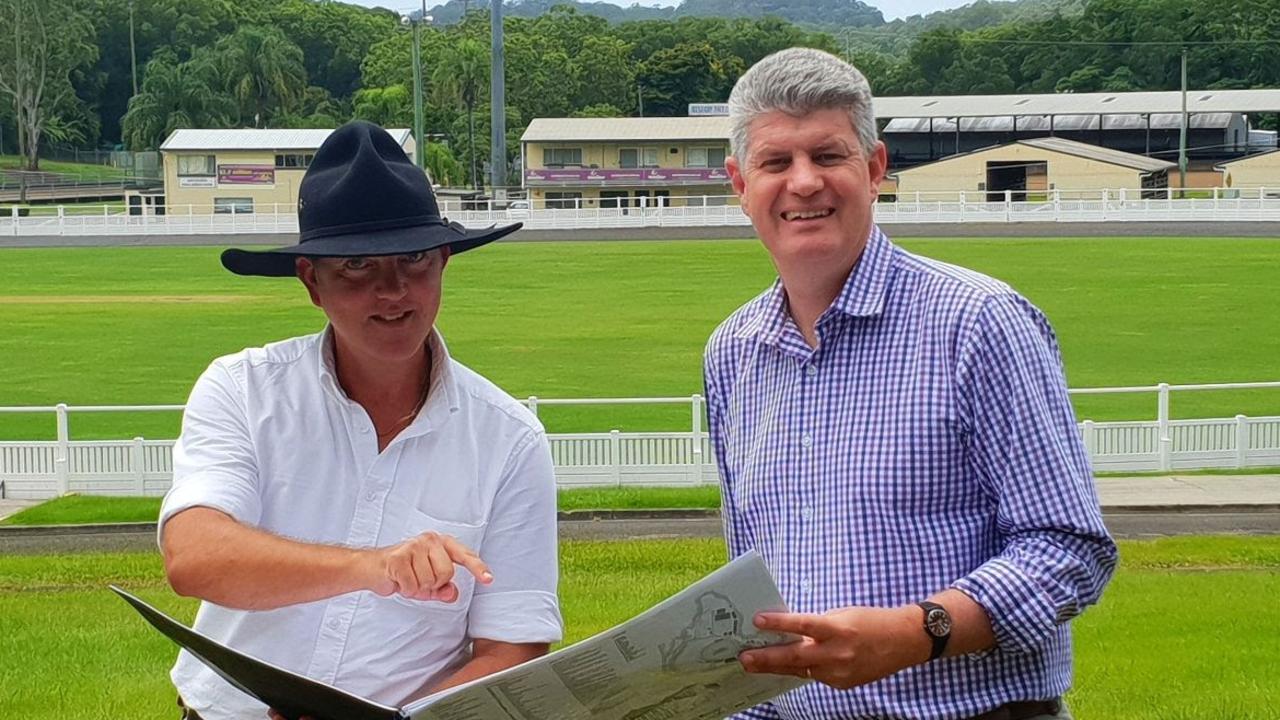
[361, 179]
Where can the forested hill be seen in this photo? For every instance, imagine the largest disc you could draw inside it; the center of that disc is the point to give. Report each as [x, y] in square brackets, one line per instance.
[843, 13]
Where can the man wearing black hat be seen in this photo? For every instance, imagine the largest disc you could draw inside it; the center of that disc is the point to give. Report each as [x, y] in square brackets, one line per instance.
[334, 494]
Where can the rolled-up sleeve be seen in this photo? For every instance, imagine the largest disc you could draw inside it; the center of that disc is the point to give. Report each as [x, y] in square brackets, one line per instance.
[1024, 446]
[214, 461]
[521, 605]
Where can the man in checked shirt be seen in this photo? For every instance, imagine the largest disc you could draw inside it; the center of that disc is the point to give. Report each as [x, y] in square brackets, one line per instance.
[893, 436]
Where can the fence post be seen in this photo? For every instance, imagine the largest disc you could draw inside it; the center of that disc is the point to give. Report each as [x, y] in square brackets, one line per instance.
[62, 457]
[1008, 204]
[137, 462]
[532, 402]
[62, 219]
[962, 203]
[1090, 433]
[13, 213]
[615, 456]
[1165, 443]
[1106, 198]
[1057, 205]
[695, 436]
[1242, 441]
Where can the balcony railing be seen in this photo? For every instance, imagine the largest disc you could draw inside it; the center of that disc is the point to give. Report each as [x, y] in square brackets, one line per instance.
[625, 176]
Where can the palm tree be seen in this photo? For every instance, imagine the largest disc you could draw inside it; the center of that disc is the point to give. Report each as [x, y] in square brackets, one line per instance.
[460, 78]
[175, 95]
[263, 71]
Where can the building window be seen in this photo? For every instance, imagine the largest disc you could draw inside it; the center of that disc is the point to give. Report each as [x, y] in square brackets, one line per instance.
[563, 200]
[227, 206]
[704, 157]
[638, 157]
[291, 161]
[561, 157]
[197, 166]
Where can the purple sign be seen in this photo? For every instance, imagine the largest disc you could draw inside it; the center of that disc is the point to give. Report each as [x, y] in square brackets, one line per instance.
[246, 174]
[677, 176]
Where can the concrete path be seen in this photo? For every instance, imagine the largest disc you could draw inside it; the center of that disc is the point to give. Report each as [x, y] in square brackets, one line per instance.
[1191, 491]
[9, 506]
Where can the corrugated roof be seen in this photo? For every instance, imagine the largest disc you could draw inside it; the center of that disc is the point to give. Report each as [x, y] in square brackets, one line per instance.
[1118, 103]
[256, 139]
[1101, 154]
[1070, 147]
[1064, 123]
[1246, 158]
[626, 129]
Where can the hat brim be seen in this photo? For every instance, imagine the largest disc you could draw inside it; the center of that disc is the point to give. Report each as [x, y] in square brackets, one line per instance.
[280, 262]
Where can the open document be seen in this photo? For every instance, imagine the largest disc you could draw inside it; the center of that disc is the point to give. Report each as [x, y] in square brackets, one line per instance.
[677, 660]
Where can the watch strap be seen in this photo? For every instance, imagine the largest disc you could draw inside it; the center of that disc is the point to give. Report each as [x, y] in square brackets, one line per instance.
[939, 641]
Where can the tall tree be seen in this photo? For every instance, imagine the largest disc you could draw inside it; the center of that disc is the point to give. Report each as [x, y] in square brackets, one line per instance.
[390, 106]
[41, 45]
[263, 71]
[175, 95]
[461, 77]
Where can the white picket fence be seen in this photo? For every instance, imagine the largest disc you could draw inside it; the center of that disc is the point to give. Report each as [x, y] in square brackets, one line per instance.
[43, 469]
[1119, 205]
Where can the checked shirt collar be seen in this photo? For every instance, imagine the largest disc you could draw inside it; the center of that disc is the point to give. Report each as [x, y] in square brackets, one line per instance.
[863, 295]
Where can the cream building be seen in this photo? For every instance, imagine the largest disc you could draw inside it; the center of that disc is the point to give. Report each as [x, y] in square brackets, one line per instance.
[240, 171]
[1030, 169]
[626, 162]
[1252, 172]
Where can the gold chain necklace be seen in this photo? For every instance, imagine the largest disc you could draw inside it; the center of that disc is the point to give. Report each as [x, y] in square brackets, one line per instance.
[422, 399]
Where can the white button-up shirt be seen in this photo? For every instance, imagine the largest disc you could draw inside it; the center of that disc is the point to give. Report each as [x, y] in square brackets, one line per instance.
[271, 439]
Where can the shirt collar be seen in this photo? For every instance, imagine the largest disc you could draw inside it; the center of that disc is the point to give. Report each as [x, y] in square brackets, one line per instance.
[863, 294]
[442, 395]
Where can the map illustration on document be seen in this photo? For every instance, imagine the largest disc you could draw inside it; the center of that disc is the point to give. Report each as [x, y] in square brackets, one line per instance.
[675, 661]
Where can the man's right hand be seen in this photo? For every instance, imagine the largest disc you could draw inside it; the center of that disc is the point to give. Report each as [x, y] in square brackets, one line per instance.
[422, 568]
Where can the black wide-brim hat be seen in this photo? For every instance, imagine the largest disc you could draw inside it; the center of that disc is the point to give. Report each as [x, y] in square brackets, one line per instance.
[363, 196]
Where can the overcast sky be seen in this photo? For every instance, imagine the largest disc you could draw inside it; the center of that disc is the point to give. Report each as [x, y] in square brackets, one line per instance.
[892, 9]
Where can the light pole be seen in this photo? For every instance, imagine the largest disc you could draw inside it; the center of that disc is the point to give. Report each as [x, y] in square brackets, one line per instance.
[419, 150]
[133, 52]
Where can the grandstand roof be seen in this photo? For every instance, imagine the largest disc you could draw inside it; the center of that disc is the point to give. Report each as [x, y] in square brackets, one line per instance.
[1063, 123]
[1113, 103]
[256, 139]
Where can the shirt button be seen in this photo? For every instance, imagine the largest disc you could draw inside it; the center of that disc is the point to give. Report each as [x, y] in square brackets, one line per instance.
[804, 585]
[811, 370]
[334, 624]
[371, 496]
[365, 430]
[807, 513]
[806, 440]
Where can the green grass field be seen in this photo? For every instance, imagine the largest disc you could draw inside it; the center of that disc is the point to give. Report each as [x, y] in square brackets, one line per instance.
[619, 319]
[1184, 631]
[84, 172]
[81, 509]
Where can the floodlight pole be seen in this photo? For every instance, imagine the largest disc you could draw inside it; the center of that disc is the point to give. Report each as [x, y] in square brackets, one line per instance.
[1182, 136]
[497, 101]
[133, 51]
[419, 142]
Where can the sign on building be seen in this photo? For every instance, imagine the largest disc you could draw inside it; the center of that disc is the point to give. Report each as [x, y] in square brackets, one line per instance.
[246, 174]
[708, 109]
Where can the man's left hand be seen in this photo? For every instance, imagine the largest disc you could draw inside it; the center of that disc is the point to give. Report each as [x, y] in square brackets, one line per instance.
[843, 648]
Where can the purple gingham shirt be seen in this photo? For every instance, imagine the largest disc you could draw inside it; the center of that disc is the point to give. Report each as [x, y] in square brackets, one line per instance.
[928, 442]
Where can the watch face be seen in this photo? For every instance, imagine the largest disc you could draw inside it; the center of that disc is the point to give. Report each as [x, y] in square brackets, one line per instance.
[938, 622]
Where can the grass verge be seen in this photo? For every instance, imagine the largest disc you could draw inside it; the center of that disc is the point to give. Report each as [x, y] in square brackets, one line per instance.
[1180, 633]
[84, 509]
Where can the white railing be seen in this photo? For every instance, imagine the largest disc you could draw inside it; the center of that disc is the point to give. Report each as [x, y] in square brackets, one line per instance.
[42, 469]
[968, 206]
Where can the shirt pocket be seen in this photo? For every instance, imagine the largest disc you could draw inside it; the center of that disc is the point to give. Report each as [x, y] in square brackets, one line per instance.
[416, 523]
